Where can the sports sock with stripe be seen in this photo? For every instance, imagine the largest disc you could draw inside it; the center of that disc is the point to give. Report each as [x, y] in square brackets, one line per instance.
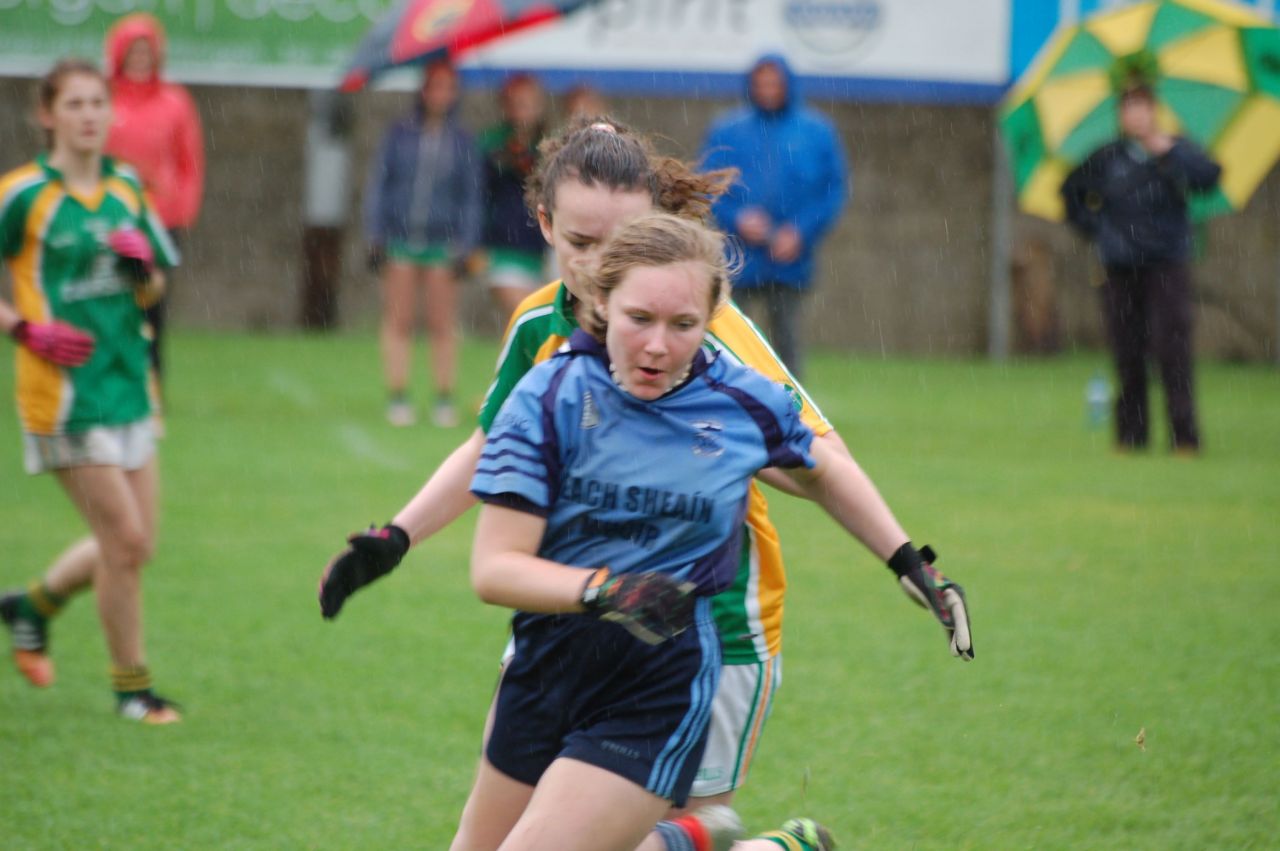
[130, 681]
[684, 834]
[800, 834]
[39, 603]
[786, 841]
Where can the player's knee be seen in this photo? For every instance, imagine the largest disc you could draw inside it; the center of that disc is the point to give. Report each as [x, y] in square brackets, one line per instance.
[132, 547]
[441, 325]
[398, 325]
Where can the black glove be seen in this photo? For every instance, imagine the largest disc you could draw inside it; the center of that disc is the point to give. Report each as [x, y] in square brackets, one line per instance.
[652, 606]
[928, 588]
[372, 555]
[133, 270]
[376, 257]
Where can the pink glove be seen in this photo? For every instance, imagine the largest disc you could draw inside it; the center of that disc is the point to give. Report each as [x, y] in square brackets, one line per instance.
[134, 250]
[56, 342]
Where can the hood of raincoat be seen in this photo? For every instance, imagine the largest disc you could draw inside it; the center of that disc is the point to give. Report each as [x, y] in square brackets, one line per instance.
[124, 33]
[789, 76]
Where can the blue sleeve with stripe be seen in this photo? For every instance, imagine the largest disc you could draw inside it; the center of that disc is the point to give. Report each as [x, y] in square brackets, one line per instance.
[521, 455]
[791, 448]
[786, 438]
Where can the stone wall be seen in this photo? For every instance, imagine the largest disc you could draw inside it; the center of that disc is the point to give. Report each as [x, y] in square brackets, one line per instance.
[906, 271]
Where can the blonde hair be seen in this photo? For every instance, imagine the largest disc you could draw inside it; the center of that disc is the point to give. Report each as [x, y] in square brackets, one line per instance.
[658, 239]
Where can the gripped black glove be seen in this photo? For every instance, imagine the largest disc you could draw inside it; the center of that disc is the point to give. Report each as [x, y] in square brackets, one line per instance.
[369, 556]
[651, 606]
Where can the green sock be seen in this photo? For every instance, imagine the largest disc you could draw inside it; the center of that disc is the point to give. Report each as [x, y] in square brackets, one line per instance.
[39, 603]
[785, 841]
[799, 835]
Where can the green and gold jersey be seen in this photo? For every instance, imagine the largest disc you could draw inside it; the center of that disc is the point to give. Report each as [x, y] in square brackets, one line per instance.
[54, 243]
[749, 614]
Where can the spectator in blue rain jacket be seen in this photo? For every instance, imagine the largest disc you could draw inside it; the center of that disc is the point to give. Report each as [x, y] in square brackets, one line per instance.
[794, 184]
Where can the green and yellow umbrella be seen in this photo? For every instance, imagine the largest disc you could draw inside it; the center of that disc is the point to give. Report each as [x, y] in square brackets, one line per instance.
[1216, 73]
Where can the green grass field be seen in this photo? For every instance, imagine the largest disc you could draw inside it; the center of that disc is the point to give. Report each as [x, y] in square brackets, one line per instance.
[1110, 594]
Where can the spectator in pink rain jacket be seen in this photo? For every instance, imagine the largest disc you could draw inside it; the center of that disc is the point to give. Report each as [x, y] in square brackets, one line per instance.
[157, 131]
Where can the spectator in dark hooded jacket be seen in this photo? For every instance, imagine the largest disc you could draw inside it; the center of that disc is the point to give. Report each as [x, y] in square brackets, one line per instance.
[1130, 198]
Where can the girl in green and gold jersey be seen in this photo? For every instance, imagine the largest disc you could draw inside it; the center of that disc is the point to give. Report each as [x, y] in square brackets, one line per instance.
[84, 252]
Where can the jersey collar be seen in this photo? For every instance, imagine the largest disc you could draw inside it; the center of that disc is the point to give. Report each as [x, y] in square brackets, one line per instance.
[42, 158]
[91, 201]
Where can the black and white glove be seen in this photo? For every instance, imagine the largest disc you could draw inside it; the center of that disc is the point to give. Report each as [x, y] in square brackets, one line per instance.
[930, 589]
[371, 555]
[652, 606]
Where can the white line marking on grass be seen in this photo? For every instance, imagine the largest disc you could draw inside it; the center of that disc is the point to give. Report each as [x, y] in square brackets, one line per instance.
[290, 387]
[361, 444]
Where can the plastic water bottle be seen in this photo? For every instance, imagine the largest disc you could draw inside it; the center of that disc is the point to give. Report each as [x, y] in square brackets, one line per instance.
[1097, 398]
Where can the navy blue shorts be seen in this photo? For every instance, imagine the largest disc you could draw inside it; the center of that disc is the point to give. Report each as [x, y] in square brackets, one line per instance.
[587, 689]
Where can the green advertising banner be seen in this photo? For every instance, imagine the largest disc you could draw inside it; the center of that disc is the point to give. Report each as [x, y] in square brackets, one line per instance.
[254, 42]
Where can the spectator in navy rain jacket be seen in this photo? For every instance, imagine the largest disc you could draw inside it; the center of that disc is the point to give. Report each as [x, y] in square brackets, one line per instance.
[422, 205]
[793, 187]
[1130, 198]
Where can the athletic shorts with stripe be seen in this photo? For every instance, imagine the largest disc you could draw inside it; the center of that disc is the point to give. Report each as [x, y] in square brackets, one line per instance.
[585, 689]
[741, 707]
[738, 715]
[129, 446]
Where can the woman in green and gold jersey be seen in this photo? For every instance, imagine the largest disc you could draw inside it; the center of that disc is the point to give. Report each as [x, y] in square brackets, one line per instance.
[84, 252]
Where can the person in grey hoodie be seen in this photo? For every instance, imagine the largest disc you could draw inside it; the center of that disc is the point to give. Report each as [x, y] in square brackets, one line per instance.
[423, 213]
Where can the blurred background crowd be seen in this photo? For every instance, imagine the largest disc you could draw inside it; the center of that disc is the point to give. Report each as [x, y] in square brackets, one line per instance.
[929, 253]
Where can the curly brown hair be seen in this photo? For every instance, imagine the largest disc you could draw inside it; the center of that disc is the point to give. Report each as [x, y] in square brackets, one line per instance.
[605, 152]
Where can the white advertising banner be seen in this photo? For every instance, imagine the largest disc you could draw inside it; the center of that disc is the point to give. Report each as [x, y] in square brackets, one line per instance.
[942, 41]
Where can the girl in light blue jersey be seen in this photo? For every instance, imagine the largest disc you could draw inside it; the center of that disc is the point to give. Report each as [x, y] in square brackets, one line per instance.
[614, 481]
[610, 554]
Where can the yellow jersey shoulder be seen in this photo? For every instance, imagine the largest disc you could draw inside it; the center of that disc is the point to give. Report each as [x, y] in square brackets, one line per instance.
[535, 300]
[733, 334]
[13, 183]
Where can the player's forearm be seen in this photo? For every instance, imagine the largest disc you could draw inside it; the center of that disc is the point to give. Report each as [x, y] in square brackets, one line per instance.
[505, 571]
[521, 581]
[846, 493]
[9, 317]
[446, 496]
[853, 502]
